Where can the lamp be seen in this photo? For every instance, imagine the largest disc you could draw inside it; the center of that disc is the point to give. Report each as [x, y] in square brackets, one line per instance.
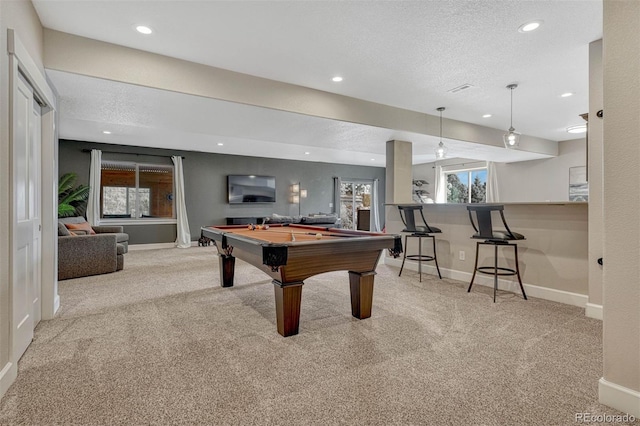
[296, 195]
[441, 150]
[511, 138]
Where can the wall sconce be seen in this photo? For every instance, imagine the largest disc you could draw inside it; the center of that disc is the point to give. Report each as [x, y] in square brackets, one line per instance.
[296, 195]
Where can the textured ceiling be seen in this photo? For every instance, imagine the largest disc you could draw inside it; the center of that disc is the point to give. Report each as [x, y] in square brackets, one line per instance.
[406, 54]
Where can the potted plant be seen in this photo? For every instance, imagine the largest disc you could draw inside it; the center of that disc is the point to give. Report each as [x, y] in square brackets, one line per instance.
[72, 201]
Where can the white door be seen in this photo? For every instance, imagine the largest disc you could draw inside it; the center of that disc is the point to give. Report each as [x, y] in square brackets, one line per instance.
[26, 239]
[35, 195]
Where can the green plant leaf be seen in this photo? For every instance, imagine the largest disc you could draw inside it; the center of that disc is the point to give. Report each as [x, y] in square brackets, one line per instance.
[71, 200]
[80, 193]
[65, 183]
[66, 210]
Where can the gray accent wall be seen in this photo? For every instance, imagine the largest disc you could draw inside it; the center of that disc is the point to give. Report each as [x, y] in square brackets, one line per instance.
[205, 176]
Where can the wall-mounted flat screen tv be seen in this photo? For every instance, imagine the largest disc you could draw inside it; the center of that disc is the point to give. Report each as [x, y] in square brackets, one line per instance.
[251, 189]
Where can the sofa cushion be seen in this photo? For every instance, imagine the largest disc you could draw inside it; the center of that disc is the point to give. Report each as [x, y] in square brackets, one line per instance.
[318, 219]
[276, 218]
[84, 226]
[63, 231]
[120, 249]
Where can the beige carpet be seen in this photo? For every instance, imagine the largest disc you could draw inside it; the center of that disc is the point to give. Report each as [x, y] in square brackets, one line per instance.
[162, 343]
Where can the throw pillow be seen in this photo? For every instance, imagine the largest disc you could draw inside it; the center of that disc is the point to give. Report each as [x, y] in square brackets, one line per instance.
[84, 226]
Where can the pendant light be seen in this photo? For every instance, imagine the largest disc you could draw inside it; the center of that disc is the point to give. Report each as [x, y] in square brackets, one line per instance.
[511, 138]
[441, 150]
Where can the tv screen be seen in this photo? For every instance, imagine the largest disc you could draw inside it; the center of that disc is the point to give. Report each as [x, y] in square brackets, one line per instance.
[251, 189]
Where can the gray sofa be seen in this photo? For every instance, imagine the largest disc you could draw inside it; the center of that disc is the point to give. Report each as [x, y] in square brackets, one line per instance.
[83, 254]
[121, 237]
[320, 219]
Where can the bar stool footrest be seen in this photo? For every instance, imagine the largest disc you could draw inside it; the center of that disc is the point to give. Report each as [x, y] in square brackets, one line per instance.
[423, 258]
[490, 270]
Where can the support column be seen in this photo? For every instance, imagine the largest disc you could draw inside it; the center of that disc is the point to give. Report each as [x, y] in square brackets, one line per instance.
[620, 384]
[594, 167]
[399, 173]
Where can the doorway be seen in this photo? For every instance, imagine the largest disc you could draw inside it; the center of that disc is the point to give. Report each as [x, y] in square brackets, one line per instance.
[355, 204]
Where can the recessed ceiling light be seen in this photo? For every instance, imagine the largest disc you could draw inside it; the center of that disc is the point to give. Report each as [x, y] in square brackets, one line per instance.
[566, 95]
[373, 159]
[220, 144]
[529, 26]
[307, 153]
[106, 132]
[144, 30]
[582, 128]
[486, 116]
[336, 79]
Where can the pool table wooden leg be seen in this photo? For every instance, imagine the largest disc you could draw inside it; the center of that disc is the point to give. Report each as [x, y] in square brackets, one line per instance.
[227, 267]
[288, 297]
[361, 293]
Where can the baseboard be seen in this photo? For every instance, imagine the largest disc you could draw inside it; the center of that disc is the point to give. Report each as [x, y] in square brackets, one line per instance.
[619, 397]
[7, 376]
[134, 247]
[551, 294]
[593, 311]
[155, 246]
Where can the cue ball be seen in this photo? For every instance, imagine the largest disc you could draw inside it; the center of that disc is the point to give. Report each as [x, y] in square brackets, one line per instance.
[318, 236]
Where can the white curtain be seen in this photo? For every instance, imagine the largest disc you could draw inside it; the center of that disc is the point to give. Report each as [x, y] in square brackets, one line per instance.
[492, 183]
[93, 203]
[375, 210]
[337, 183]
[184, 234]
[441, 186]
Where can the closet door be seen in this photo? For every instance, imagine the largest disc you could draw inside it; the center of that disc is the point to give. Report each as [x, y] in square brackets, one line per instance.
[27, 258]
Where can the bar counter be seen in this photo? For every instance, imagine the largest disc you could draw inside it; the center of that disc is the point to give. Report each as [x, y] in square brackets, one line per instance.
[553, 258]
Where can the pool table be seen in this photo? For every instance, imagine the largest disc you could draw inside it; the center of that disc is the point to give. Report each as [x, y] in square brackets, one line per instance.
[292, 253]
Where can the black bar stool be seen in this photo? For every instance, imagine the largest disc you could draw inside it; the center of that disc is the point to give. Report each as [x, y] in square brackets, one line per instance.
[407, 214]
[484, 231]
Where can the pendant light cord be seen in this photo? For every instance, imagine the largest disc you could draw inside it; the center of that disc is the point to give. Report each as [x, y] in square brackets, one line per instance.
[511, 87]
[440, 109]
[511, 125]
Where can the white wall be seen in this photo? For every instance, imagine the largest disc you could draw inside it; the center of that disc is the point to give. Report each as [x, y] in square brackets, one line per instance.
[525, 181]
[541, 180]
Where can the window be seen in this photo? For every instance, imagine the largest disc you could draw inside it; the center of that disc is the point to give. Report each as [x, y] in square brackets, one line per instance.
[136, 191]
[466, 185]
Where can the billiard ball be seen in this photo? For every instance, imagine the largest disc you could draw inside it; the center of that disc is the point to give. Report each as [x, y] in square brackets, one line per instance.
[318, 236]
